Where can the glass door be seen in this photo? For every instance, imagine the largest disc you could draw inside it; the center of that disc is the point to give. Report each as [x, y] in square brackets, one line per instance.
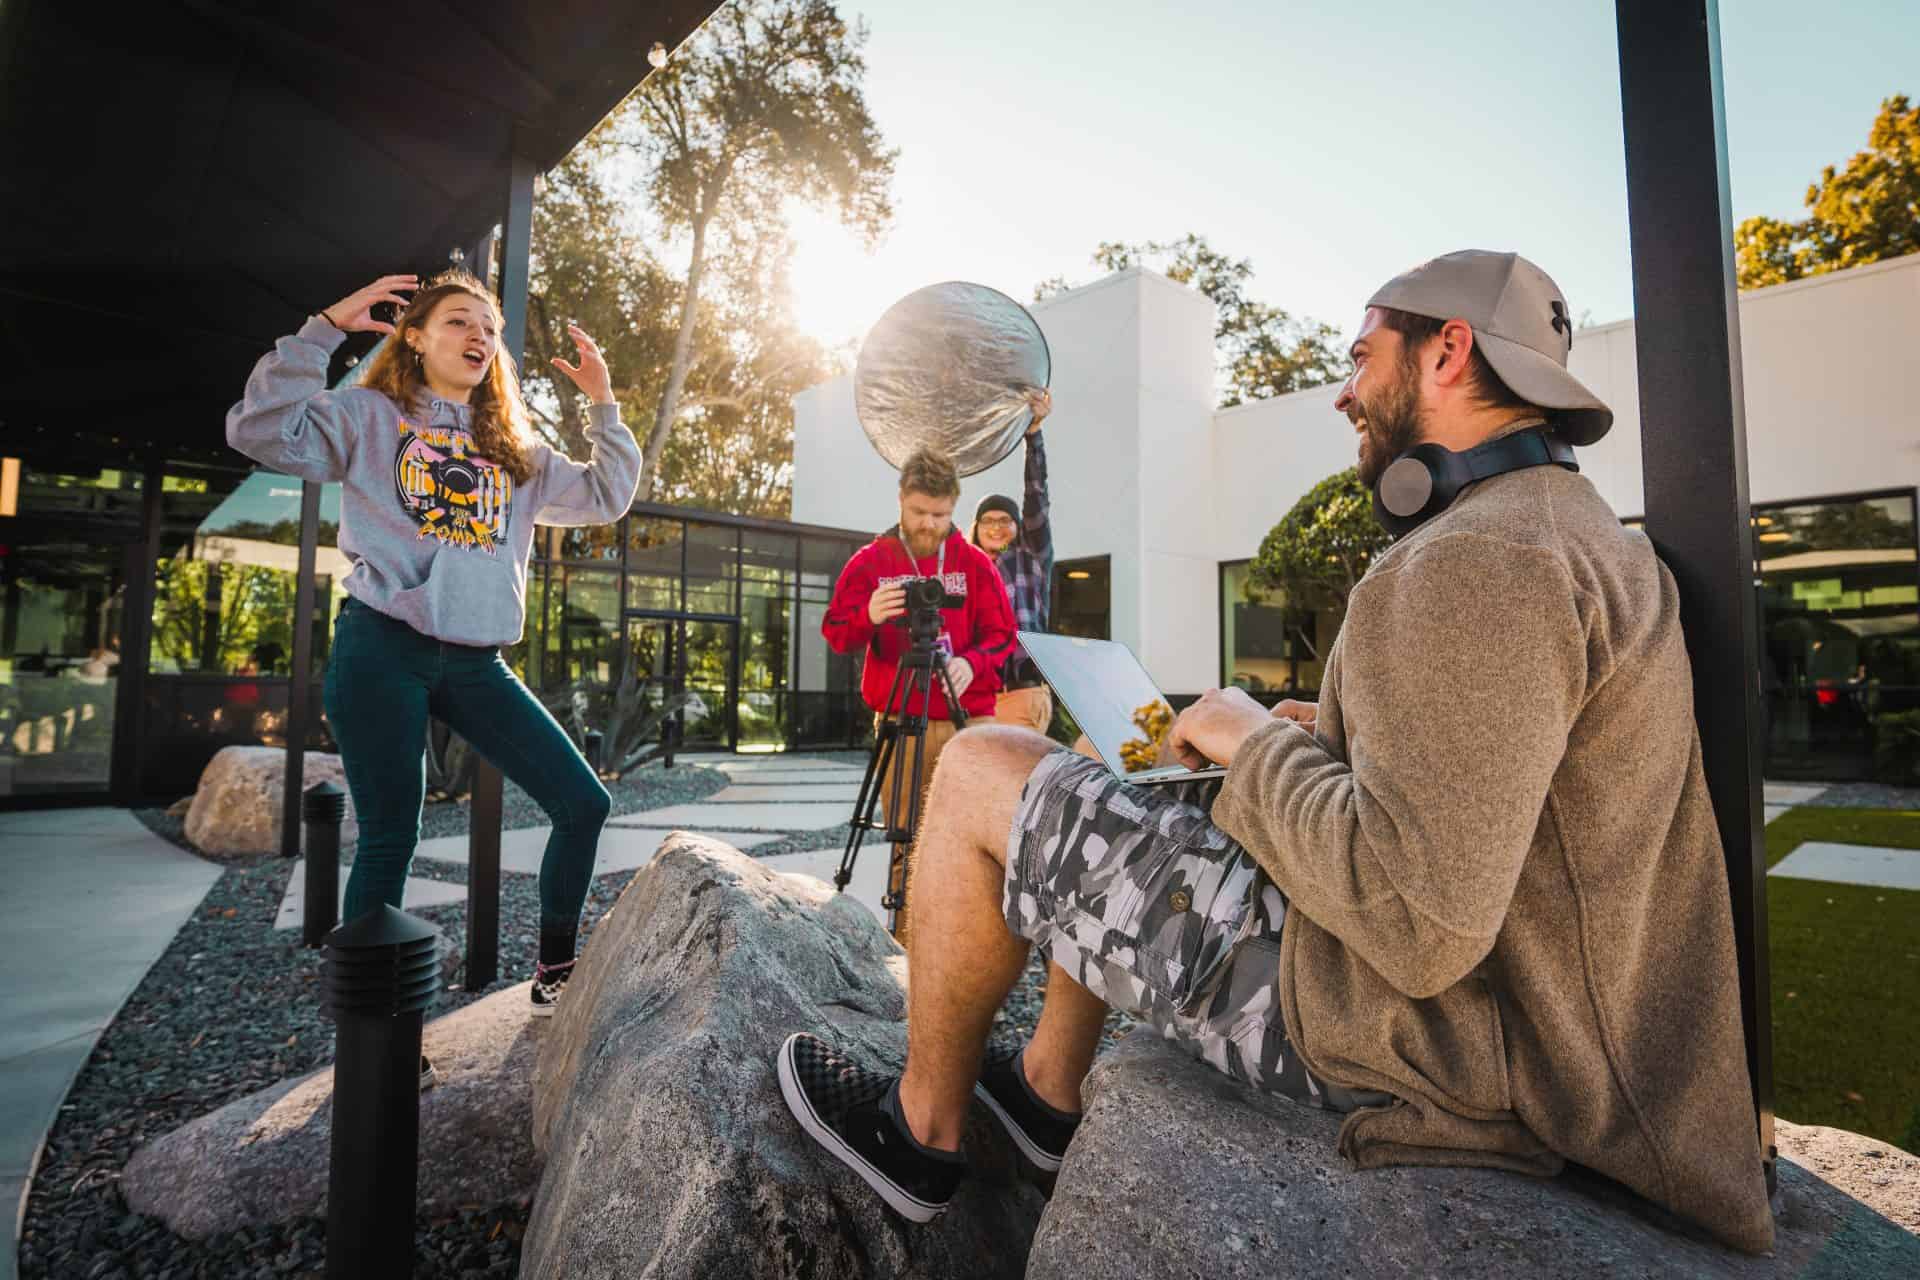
[61, 598]
[711, 648]
[670, 653]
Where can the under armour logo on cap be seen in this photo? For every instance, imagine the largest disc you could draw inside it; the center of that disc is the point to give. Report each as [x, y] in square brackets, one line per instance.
[1561, 323]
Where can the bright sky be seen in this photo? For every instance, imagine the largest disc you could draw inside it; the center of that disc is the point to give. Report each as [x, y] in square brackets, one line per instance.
[1333, 144]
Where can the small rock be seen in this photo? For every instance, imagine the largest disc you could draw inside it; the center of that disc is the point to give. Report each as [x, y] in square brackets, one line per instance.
[236, 809]
[264, 1158]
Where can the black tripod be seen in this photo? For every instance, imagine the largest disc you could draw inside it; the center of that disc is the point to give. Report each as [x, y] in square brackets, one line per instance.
[892, 740]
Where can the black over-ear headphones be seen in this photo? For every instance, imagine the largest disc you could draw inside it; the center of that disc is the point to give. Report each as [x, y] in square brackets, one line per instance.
[1422, 482]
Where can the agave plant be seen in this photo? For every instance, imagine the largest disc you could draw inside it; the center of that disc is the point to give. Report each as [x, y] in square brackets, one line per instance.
[622, 726]
[629, 729]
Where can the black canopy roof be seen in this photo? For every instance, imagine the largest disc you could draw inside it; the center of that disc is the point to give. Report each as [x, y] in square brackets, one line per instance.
[182, 180]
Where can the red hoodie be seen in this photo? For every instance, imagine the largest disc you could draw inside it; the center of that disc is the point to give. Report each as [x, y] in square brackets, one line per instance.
[981, 630]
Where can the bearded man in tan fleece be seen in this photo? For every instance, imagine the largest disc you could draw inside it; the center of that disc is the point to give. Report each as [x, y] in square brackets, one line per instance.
[1474, 899]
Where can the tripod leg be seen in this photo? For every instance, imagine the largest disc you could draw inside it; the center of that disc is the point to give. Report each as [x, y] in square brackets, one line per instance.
[885, 736]
[878, 762]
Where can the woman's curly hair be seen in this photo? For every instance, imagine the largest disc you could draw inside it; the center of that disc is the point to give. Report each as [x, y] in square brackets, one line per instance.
[501, 429]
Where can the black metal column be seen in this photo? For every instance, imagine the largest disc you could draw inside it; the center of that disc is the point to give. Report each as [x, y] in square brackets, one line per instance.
[483, 830]
[300, 681]
[1693, 440]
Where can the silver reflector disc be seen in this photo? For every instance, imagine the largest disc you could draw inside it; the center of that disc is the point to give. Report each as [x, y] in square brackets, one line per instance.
[950, 366]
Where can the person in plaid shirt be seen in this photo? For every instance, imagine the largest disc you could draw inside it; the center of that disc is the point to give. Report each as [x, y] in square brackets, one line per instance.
[1021, 543]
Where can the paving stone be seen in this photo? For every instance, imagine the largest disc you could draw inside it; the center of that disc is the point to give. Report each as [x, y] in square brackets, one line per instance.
[1852, 864]
[419, 893]
[712, 818]
[840, 793]
[625, 843]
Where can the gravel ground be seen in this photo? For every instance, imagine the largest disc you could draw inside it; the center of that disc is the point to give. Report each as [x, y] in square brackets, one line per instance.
[648, 787]
[165, 1061]
[1866, 795]
[230, 1008]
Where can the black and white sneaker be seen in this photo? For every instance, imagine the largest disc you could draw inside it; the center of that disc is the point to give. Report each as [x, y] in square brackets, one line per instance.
[1042, 1132]
[853, 1113]
[549, 980]
[428, 1076]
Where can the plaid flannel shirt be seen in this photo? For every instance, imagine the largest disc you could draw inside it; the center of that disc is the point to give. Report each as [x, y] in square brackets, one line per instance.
[1027, 564]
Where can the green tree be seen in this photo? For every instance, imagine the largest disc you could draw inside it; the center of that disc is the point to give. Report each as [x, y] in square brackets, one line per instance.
[1320, 550]
[762, 106]
[1260, 350]
[589, 267]
[732, 447]
[1865, 212]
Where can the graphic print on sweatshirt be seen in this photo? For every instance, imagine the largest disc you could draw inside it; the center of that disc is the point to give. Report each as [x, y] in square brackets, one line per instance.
[452, 493]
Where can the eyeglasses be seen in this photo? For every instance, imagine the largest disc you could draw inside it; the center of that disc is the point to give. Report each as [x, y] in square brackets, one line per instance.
[996, 522]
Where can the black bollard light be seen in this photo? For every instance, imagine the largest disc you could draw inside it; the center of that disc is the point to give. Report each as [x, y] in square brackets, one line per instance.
[325, 808]
[380, 973]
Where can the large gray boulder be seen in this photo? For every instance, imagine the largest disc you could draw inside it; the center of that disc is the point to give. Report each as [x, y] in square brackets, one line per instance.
[236, 808]
[1178, 1171]
[264, 1157]
[669, 1150]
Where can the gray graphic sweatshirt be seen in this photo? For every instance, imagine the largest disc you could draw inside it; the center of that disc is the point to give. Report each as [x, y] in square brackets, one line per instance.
[438, 536]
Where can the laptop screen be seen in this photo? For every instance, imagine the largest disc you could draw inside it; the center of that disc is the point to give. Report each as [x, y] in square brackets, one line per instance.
[1108, 692]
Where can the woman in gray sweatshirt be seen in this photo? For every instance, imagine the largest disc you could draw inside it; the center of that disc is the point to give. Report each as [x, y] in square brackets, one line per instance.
[442, 483]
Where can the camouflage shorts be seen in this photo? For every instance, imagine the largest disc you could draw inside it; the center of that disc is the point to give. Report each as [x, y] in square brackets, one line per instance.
[1142, 900]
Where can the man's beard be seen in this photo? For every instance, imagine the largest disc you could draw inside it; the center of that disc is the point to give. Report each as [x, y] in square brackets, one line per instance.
[921, 545]
[1392, 423]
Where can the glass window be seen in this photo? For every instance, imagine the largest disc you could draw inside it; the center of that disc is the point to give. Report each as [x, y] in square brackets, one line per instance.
[711, 568]
[60, 619]
[597, 543]
[224, 590]
[1083, 598]
[1839, 631]
[107, 494]
[817, 667]
[654, 548]
[1266, 645]
[582, 640]
[767, 597]
[526, 657]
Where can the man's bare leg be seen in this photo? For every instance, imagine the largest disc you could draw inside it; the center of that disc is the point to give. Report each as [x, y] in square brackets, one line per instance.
[963, 960]
[1064, 1041]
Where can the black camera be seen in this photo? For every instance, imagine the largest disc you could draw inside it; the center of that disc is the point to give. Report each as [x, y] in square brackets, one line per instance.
[929, 595]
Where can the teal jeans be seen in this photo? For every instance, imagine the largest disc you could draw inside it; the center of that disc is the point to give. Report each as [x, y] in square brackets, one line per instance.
[383, 680]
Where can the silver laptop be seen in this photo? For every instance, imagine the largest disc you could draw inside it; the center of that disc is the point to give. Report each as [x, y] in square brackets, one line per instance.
[1104, 687]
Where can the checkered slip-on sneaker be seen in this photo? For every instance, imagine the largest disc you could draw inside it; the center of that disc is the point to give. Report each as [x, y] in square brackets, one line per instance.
[1040, 1131]
[548, 982]
[428, 1076]
[844, 1107]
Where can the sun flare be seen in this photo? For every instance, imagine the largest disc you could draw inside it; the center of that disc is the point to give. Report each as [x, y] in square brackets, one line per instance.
[839, 288]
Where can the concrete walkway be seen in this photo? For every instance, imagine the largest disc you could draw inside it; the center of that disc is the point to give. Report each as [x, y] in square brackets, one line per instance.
[771, 797]
[92, 899]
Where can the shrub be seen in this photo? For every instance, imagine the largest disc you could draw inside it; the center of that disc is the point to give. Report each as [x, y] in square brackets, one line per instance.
[1896, 748]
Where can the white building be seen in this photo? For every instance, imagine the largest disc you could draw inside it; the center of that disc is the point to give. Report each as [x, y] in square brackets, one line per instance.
[1163, 495]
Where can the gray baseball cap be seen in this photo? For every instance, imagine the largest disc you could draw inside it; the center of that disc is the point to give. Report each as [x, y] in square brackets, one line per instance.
[1520, 323]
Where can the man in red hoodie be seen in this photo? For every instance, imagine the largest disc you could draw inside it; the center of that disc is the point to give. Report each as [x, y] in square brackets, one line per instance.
[869, 608]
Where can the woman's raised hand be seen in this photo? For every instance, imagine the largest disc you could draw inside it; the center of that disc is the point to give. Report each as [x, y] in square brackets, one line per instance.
[354, 313]
[590, 375]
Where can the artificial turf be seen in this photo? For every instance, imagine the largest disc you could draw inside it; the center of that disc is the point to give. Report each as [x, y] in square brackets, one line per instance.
[1846, 983]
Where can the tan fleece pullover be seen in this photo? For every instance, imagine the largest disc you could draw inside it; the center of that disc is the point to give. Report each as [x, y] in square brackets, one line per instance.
[1509, 906]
